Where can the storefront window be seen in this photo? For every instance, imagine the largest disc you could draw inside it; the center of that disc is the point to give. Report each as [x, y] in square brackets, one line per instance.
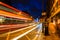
[58, 18]
[58, 21]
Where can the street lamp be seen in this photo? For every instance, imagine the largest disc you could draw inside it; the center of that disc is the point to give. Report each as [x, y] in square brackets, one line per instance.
[43, 13]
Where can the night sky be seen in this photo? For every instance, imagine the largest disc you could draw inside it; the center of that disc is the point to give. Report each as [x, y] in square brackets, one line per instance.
[33, 7]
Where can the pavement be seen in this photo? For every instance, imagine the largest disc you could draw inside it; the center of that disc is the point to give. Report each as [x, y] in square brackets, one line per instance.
[52, 37]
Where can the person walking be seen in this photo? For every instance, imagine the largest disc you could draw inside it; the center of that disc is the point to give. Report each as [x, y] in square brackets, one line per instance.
[46, 29]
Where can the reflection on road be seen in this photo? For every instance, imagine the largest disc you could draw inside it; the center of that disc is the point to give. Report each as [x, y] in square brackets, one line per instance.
[31, 32]
[17, 33]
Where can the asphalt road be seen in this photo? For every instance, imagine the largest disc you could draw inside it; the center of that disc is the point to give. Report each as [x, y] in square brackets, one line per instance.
[15, 33]
[32, 32]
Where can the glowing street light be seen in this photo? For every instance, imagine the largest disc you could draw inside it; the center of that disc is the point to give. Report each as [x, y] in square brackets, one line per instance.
[43, 13]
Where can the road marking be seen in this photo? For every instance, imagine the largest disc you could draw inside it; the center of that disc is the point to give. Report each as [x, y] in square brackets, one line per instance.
[8, 35]
[16, 38]
[28, 37]
[19, 30]
[38, 32]
[35, 37]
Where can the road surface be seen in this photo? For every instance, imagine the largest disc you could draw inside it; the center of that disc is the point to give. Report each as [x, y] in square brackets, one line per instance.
[32, 32]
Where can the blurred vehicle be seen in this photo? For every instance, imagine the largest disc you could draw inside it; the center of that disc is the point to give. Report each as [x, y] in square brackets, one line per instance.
[11, 15]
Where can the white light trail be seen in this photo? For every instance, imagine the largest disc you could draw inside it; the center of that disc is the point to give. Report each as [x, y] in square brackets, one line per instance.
[16, 38]
[22, 29]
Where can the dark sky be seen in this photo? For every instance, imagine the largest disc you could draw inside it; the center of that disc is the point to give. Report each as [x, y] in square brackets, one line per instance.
[33, 7]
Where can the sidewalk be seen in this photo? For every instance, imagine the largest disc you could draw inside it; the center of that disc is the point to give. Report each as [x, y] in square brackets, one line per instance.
[52, 37]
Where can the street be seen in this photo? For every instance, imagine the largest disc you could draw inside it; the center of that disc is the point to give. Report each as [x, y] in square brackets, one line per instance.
[12, 34]
[29, 19]
[32, 32]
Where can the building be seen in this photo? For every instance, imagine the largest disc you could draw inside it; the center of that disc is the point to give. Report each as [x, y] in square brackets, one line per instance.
[53, 8]
[12, 15]
[53, 11]
[8, 8]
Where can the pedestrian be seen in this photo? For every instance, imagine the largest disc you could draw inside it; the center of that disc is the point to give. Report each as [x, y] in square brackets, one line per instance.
[52, 28]
[58, 29]
[46, 29]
